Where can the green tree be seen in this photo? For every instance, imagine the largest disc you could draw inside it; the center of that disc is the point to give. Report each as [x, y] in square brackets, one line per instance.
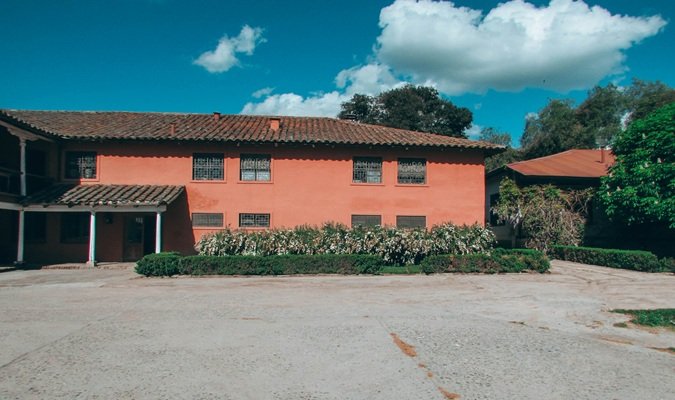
[640, 187]
[417, 108]
[554, 129]
[645, 97]
[602, 116]
[492, 135]
[601, 113]
[546, 214]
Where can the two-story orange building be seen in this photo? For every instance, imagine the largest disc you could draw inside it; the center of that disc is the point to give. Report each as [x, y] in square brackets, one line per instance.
[110, 186]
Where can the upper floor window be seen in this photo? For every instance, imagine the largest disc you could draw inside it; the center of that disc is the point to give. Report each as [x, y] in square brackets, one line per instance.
[367, 170]
[411, 221]
[366, 220]
[81, 165]
[248, 220]
[412, 171]
[207, 167]
[255, 167]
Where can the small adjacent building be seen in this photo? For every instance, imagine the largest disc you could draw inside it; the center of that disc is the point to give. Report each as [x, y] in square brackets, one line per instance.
[571, 169]
[111, 186]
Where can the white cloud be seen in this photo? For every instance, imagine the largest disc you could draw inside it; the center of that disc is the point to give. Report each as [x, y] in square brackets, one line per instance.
[366, 79]
[563, 46]
[266, 91]
[320, 105]
[473, 132]
[224, 56]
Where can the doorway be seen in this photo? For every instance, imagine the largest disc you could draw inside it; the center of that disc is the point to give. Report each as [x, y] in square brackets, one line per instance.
[139, 236]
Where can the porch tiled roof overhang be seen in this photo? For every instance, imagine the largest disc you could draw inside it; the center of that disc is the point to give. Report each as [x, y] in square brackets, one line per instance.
[109, 196]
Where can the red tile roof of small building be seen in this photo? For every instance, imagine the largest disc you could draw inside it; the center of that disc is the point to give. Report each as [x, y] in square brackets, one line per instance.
[81, 125]
[105, 195]
[571, 163]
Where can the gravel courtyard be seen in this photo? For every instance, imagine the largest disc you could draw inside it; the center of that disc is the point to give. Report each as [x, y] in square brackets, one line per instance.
[111, 334]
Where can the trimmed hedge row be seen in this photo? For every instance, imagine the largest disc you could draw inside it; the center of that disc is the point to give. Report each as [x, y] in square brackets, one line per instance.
[637, 260]
[168, 264]
[499, 261]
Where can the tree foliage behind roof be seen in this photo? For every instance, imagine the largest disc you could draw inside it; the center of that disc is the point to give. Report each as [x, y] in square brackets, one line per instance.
[561, 126]
[641, 185]
[418, 108]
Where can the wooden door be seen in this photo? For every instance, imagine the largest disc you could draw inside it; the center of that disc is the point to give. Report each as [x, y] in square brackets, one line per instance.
[133, 237]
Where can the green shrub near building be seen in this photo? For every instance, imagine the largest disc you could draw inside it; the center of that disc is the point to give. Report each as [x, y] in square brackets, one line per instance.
[498, 261]
[168, 264]
[637, 260]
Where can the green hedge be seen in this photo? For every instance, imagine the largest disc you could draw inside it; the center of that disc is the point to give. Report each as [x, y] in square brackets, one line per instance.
[498, 261]
[167, 264]
[625, 259]
[161, 264]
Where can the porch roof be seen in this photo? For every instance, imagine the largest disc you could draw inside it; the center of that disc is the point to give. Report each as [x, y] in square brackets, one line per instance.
[95, 195]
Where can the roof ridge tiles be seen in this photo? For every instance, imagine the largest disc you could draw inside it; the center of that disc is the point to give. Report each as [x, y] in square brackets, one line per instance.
[124, 125]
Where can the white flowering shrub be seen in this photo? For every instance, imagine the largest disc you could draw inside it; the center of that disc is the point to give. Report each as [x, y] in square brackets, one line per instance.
[395, 246]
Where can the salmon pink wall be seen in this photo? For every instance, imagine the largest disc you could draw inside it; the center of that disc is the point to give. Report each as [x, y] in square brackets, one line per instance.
[310, 185]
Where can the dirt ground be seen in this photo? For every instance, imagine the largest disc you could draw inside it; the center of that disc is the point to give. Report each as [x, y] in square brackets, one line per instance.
[108, 333]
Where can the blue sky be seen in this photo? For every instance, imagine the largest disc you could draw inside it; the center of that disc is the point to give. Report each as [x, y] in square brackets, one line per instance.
[304, 57]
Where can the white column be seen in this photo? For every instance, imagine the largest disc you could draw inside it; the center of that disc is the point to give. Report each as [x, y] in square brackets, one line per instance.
[92, 239]
[158, 233]
[22, 166]
[19, 240]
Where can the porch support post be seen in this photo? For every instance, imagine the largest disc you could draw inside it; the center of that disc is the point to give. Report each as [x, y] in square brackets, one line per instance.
[22, 166]
[20, 238]
[92, 239]
[158, 233]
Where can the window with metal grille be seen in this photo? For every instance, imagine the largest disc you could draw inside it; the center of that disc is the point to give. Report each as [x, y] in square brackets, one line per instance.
[366, 220]
[207, 167]
[207, 219]
[412, 171]
[75, 227]
[81, 165]
[255, 167]
[411, 221]
[249, 220]
[367, 170]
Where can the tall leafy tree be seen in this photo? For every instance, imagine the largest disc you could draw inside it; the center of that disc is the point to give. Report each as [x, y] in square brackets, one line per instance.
[603, 115]
[640, 187]
[645, 97]
[554, 129]
[600, 115]
[492, 135]
[418, 108]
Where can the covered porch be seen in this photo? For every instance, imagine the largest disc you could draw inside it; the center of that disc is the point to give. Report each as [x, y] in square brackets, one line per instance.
[93, 222]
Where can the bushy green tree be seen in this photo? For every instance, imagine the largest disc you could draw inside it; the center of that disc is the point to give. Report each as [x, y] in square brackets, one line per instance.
[510, 155]
[418, 108]
[546, 214]
[603, 115]
[640, 187]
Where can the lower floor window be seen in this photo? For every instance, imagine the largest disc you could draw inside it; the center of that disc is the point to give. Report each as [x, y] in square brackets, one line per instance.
[411, 221]
[366, 220]
[75, 228]
[248, 220]
[207, 220]
[36, 227]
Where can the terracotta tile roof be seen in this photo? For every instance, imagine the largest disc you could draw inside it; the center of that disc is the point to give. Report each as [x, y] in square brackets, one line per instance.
[570, 163]
[105, 195]
[228, 128]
